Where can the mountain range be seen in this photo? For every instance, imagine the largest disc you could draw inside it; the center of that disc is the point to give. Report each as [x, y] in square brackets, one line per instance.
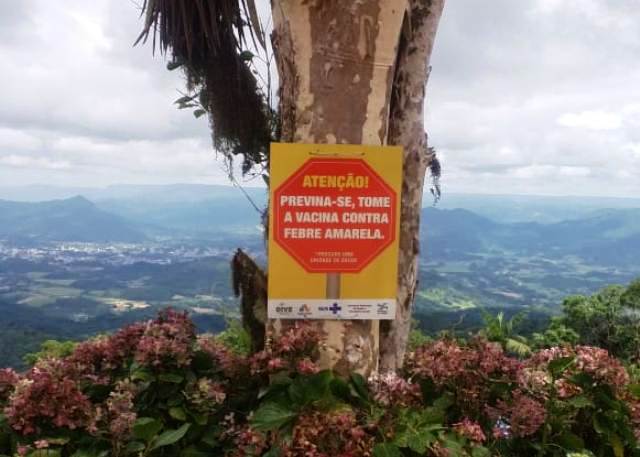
[135, 214]
[499, 208]
[73, 219]
[610, 237]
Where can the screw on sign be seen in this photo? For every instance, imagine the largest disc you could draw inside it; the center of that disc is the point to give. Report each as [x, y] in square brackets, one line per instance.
[334, 215]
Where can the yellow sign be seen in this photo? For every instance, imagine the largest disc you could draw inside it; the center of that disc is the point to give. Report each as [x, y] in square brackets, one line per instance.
[333, 231]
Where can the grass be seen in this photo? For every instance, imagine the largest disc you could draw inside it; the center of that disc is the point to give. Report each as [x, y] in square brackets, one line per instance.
[37, 301]
[35, 275]
[58, 291]
[43, 294]
[447, 299]
[55, 282]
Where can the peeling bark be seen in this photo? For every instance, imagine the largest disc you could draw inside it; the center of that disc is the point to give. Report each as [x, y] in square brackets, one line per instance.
[336, 61]
[250, 284]
[406, 128]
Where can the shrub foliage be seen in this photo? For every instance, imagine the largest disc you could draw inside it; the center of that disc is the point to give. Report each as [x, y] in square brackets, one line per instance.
[158, 389]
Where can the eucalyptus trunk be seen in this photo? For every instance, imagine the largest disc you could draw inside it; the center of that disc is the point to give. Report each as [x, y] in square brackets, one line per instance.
[355, 72]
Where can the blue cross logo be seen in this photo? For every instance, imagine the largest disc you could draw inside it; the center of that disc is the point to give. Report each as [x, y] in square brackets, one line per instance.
[335, 309]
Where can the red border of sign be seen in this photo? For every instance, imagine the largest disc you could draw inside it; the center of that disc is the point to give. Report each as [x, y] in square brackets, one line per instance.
[373, 255]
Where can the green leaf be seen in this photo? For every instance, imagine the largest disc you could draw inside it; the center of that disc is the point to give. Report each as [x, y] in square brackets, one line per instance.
[95, 453]
[582, 379]
[246, 55]
[178, 413]
[580, 401]
[416, 429]
[142, 375]
[305, 390]
[281, 378]
[341, 389]
[603, 425]
[173, 378]
[134, 446]
[557, 366]
[193, 451]
[170, 437]
[146, 428]
[433, 415]
[85, 453]
[386, 450]
[271, 416]
[204, 98]
[173, 65]
[201, 361]
[273, 452]
[200, 418]
[45, 453]
[443, 403]
[616, 445]
[419, 442]
[634, 389]
[480, 451]
[428, 389]
[517, 347]
[571, 441]
[454, 446]
[199, 113]
[183, 100]
[210, 438]
[359, 384]
[603, 395]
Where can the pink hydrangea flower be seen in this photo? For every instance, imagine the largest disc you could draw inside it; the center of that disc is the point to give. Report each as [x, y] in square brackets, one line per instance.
[389, 389]
[47, 395]
[8, 380]
[306, 367]
[470, 429]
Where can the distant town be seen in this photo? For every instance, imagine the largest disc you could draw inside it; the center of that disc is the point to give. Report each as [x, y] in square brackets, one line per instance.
[117, 254]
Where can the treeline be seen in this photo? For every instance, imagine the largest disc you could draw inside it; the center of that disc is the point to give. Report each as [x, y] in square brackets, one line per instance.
[23, 329]
[608, 319]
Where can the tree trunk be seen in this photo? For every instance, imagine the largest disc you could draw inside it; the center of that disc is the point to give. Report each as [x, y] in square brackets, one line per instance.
[250, 285]
[338, 62]
[406, 129]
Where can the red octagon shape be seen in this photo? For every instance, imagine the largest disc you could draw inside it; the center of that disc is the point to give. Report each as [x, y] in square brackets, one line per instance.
[334, 215]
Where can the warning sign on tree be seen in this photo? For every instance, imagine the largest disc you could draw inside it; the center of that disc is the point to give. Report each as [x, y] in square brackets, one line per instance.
[333, 231]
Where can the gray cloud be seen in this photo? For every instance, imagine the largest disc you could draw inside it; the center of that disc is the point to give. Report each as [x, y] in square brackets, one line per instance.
[540, 96]
[534, 96]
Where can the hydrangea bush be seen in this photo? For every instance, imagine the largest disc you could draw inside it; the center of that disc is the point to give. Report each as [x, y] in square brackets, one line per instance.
[158, 389]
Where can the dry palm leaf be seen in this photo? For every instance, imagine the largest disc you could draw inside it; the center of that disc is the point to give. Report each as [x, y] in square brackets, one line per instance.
[206, 38]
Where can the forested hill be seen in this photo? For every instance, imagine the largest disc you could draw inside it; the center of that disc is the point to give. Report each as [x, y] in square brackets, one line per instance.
[72, 219]
[607, 236]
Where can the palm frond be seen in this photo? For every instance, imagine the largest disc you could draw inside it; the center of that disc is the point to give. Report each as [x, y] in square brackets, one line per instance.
[208, 39]
[517, 347]
[194, 29]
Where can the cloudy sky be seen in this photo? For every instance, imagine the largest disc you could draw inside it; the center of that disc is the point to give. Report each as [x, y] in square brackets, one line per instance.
[526, 97]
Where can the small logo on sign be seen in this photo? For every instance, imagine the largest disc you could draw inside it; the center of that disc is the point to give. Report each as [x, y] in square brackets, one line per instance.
[383, 308]
[335, 308]
[304, 310]
[282, 309]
